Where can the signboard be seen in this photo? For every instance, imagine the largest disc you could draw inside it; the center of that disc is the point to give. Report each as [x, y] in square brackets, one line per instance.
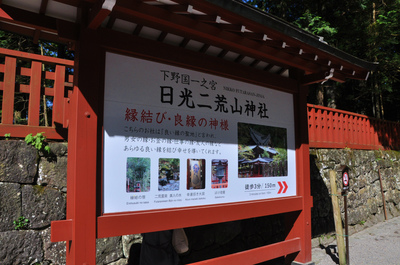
[174, 137]
[345, 178]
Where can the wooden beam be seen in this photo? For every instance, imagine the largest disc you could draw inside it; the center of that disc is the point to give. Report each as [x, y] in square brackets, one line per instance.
[257, 255]
[189, 59]
[4, 15]
[269, 67]
[207, 18]
[162, 36]
[184, 43]
[239, 58]
[254, 63]
[232, 27]
[322, 77]
[255, 36]
[111, 225]
[276, 43]
[28, 19]
[180, 9]
[43, 7]
[294, 50]
[111, 21]
[37, 57]
[222, 53]
[159, 18]
[20, 131]
[100, 12]
[137, 30]
[310, 56]
[61, 230]
[27, 23]
[204, 48]
[9, 90]
[36, 36]
[313, 78]
[67, 31]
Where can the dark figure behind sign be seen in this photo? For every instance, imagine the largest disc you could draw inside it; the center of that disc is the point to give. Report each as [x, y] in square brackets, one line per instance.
[157, 249]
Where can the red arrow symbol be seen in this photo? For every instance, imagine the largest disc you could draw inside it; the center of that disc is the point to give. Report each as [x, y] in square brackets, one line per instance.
[282, 188]
[286, 187]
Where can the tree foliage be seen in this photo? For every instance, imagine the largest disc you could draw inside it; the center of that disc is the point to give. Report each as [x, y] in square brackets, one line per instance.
[138, 171]
[367, 29]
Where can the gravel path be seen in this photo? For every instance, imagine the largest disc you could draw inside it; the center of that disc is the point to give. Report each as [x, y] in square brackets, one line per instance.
[376, 245]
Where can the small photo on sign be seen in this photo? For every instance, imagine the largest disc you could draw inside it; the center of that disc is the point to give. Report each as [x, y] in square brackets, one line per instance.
[262, 151]
[219, 173]
[196, 174]
[137, 174]
[168, 174]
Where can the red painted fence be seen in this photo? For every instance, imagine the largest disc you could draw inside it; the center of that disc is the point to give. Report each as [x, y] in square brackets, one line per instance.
[24, 73]
[32, 80]
[332, 128]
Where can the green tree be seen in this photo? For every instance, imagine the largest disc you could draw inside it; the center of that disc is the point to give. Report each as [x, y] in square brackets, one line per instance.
[138, 171]
[367, 29]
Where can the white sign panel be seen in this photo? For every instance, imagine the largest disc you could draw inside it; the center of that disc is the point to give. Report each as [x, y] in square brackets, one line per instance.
[179, 138]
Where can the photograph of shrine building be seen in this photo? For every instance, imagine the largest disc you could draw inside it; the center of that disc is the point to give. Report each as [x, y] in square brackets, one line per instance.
[262, 151]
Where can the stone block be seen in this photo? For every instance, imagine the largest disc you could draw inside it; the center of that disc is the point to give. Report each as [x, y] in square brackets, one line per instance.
[108, 250]
[21, 247]
[10, 205]
[53, 172]
[18, 162]
[54, 252]
[53, 169]
[41, 205]
[59, 149]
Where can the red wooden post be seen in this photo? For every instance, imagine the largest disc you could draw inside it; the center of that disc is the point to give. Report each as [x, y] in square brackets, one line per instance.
[370, 131]
[318, 125]
[58, 101]
[329, 126]
[311, 122]
[376, 132]
[34, 94]
[9, 91]
[394, 135]
[363, 125]
[298, 224]
[83, 153]
[302, 225]
[352, 128]
[345, 129]
[324, 127]
[334, 128]
[340, 128]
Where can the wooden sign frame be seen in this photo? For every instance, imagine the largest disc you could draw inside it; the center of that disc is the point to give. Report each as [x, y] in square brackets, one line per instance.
[85, 220]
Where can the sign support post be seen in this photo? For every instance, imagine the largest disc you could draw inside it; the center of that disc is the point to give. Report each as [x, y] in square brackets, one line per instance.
[83, 153]
[299, 223]
[337, 218]
[346, 185]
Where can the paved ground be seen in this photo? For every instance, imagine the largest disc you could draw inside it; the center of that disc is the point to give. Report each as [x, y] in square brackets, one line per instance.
[376, 245]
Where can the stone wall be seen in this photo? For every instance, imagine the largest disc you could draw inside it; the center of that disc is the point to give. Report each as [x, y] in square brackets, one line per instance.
[33, 186]
[365, 203]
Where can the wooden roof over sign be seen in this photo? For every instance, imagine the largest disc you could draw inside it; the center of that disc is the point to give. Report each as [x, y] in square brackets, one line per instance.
[227, 29]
